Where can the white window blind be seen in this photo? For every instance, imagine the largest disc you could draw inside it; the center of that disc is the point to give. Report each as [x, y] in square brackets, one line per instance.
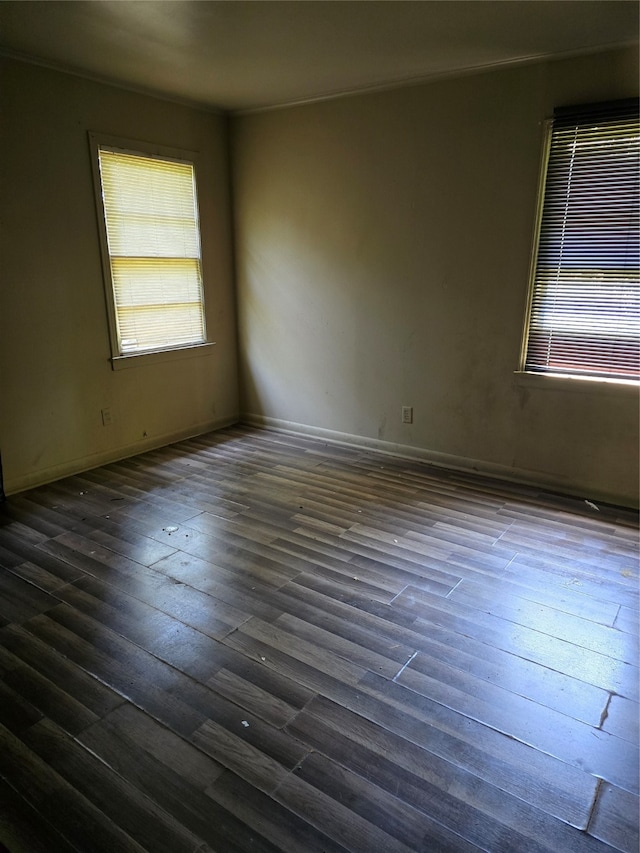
[585, 305]
[153, 238]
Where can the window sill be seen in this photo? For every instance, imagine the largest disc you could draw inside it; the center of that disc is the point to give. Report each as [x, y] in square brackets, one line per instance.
[142, 359]
[580, 384]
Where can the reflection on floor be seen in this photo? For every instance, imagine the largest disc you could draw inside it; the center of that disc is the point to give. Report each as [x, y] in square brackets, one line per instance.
[249, 642]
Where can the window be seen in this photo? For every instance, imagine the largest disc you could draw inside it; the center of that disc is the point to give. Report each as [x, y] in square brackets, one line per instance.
[584, 312]
[151, 247]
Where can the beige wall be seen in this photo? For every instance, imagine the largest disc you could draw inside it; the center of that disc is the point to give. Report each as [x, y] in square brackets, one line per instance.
[54, 346]
[383, 246]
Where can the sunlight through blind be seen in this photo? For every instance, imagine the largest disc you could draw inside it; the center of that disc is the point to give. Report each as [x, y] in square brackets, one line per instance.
[153, 237]
[585, 308]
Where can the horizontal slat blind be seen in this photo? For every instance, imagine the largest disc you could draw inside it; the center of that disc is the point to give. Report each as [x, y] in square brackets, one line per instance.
[585, 309]
[154, 247]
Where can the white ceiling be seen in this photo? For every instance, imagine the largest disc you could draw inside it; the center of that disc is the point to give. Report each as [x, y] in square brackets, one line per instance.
[242, 55]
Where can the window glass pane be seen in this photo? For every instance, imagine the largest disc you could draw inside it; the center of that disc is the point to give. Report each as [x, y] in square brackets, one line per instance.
[139, 281]
[153, 327]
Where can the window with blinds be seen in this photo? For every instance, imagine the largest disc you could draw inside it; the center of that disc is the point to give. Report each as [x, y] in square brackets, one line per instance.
[153, 241]
[584, 312]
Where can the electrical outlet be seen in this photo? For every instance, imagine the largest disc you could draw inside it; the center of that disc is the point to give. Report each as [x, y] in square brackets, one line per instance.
[107, 418]
[407, 414]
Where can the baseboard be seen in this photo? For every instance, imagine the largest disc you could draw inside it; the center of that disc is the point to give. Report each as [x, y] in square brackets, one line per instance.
[520, 476]
[276, 425]
[86, 463]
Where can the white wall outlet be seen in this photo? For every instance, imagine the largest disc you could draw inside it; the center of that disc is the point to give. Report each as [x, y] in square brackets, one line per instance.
[107, 417]
[407, 414]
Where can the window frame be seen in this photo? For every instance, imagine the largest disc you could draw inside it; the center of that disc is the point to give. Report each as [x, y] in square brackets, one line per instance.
[547, 141]
[119, 359]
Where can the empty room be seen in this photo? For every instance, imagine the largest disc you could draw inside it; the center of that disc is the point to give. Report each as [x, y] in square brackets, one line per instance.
[319, 426]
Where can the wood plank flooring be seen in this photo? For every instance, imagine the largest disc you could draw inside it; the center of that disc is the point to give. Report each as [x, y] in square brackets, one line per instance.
[254, 642]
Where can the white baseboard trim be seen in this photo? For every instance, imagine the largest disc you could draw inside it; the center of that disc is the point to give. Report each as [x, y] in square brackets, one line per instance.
[86, 463]
[463, 464]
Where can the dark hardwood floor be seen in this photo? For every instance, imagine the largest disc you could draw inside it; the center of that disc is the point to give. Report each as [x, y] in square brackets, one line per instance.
[253, 642]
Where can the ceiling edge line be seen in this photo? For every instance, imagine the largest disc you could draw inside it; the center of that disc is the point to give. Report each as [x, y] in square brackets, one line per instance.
[374, 88]
[106, 81]
[407, 82]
